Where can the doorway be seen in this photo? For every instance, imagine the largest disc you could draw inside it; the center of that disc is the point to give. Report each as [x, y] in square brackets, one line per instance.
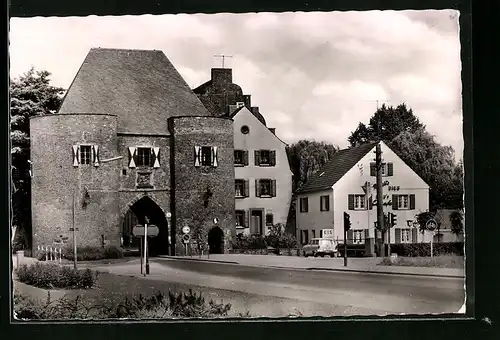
[216, 241]
[256, 221]
[136, 215]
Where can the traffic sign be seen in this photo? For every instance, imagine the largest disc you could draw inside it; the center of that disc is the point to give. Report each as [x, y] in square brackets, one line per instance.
[186, 229]
[169, 215]
[139, 230]
[186, 238]
[431, 225]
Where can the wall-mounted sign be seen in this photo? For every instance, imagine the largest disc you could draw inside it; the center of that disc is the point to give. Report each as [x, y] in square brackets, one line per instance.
[327, 233]
[169, 215]
[186, 229]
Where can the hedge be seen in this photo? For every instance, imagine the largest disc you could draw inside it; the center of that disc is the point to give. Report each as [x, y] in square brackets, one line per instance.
[49, 275]
[424, 249]
[94, 253]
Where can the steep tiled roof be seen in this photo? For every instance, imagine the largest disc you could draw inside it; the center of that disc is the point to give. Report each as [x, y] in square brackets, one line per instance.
[142, 87]
[337, 167]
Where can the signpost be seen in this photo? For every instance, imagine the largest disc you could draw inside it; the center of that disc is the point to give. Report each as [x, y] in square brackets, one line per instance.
[145, 231]
[431, 225]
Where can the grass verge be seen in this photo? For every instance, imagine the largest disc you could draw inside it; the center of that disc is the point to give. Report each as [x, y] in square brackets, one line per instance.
[442, 261]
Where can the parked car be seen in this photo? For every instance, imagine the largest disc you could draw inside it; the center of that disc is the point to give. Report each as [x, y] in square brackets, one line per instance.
[320, 247]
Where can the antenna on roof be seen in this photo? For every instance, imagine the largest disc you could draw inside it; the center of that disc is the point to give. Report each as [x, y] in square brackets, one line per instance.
[223, 56]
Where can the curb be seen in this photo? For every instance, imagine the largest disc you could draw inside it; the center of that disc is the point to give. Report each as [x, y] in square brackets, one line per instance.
[386, 272]
[195, 259]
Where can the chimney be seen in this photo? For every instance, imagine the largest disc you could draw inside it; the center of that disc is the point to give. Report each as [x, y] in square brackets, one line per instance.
[273, 130]
[255, 110]
[246, 100]
[222, 77]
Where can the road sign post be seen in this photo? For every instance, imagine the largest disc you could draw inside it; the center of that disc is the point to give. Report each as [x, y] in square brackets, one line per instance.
[431, 226]
[145, 231]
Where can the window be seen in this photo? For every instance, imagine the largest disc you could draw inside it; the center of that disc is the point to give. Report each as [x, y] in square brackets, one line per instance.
[240, 218]
[143, 157]
[238, 157]
[245, 129]
[325, 203]
[85, 154]
[265, 187]
[313, 233]
[403, 202]
[239, 185]
[269, 219]
[304, 236]
[206, 156]
[359, 202]
[405, 235]
[358, 237]
[387, 169]
[304, 204]
[265, 157]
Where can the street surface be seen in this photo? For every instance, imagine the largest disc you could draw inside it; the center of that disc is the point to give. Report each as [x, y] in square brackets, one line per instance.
[349, 293]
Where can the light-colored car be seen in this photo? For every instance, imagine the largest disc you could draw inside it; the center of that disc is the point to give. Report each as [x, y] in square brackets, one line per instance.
[320, 247]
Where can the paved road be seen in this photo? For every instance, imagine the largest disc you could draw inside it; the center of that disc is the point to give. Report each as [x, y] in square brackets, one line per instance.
[372, 293]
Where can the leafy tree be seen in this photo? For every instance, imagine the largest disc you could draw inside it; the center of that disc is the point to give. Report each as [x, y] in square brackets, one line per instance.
[306, 157]
[457, 225]
[423, 218]
[402, 131]
[30, 95]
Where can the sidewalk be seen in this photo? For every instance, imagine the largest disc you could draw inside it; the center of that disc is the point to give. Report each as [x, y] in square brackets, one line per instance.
[365, 265]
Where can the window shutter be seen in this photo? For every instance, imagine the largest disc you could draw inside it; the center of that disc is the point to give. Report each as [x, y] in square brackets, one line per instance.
[245, 157]
[76, 153]
[321, 233]
[373, 169]
[367, 234]
[257, 188]
[394, 202]
[414, 234]
[370, 203]
[412, 201]
[131, 157]
[95, 154]
[197, 156]
[156, 157]
[215, 161]
[272, 157]
[350, 202]
[246, 221]
[273, 188]
[397, 235]
[247, 188]
[350, 236]
[390, 169]
[270, 219]
[257, 157]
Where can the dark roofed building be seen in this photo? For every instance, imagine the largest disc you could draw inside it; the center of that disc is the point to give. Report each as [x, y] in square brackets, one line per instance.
[142, 87]
[131, 144]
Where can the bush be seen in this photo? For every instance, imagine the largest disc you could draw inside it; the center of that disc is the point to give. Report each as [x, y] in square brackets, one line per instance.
[441, 261]
[51, 275]
[424, 249]
[94, 253]
[250, 242]
[155, 306]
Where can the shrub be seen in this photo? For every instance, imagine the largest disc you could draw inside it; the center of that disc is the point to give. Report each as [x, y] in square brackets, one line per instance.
[441, 261]
[155, 306]
[424, 249]
[51, 275]
[250, 242]
[90, 253]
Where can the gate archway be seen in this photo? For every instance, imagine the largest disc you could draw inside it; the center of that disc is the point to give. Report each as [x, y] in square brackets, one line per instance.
[216, 241]
[135, 215]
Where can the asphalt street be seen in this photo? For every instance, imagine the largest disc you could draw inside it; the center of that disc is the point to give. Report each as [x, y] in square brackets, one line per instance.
[387, 293]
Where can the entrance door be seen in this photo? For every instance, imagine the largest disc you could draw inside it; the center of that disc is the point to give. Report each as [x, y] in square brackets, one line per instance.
[216, 241]
[256, 222]
[137, 213]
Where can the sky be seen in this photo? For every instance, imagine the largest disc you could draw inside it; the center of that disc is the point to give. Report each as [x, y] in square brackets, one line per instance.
[314, 75]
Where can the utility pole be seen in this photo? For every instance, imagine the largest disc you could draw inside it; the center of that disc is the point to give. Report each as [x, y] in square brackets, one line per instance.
[380, 196]
[223, 56]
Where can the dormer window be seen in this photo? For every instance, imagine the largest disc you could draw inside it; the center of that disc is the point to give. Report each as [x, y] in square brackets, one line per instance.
[240, 104]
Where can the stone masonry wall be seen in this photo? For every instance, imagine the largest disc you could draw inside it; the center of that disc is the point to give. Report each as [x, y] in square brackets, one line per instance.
[190, 182]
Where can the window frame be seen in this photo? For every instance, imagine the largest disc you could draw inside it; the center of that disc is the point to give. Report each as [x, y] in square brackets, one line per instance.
[262, 182]
[400, 206]
[302, 208]
[242, 153]
[204, 152]
[403, 232]
[139, 159]
[240, 213]
[262, 152]
[322, 205]
[237, 182]
[356, 239]
[362, 199]
[82, 152]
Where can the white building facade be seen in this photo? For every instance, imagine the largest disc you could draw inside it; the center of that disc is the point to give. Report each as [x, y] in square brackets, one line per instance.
[347, 184]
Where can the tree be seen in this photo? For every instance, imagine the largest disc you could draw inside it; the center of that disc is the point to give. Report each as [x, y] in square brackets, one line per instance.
[30, 95]
[456, 220]
[423, 218]
[402, 131]
[279, 238]
[385, 124]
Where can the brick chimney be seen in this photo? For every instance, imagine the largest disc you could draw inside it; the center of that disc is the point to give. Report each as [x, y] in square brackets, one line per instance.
[222, 77]
[273, 130]
[247, 101]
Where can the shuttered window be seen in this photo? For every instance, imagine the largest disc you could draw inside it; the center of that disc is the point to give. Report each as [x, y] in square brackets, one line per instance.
[304, 204]
[240, 218]
[265, 157]
[356, 202]
[403, 202]
[265, 188]
[240, 188]
[206, 156]
[325, 203]
[85, 154]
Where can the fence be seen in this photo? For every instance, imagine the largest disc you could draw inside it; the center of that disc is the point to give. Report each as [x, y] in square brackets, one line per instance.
[52, 254]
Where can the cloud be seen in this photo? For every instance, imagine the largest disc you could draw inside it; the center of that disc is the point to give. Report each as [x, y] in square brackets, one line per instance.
[313, 75]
